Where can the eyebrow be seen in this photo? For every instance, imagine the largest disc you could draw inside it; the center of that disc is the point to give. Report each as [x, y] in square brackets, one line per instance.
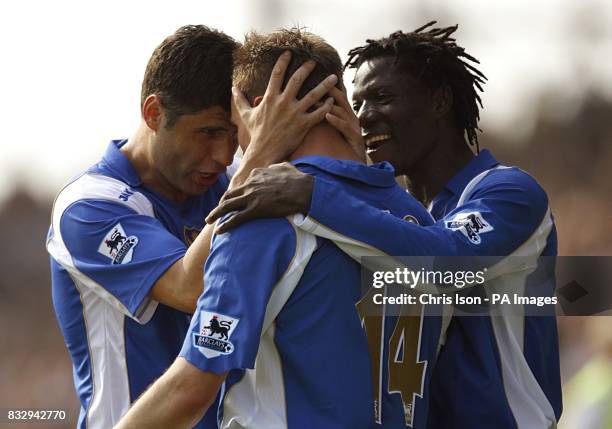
[213, 128]
[369, 88]
[376, 87]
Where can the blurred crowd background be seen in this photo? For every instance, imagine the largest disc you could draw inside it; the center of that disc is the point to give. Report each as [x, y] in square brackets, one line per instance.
[548, 109]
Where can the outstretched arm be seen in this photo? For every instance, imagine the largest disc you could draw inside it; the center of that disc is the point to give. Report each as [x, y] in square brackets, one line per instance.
[483, 226]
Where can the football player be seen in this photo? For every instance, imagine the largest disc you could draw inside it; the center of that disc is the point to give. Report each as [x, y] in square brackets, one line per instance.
[126, 265]
[417, 98]
[276, 328]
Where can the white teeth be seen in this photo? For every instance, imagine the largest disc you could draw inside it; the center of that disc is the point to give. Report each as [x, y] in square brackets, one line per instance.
[377, 138]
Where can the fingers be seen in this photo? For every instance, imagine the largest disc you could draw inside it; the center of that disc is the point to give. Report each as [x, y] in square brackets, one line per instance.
[318, 92]
[318, 115]
[340, 98]
[225, 207]
[233, 221]
[339, 124]
[282, 166]
[240, 100]
[295, 82]
[234, 192]
[336, 121]
[341, 121]
[278, 73]
[340, 112]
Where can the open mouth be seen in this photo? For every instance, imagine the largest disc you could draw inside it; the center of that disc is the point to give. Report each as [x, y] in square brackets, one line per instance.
[206, 179]
[374, 142]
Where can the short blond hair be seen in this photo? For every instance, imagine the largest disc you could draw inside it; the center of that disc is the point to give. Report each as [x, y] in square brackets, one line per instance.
[255, 59]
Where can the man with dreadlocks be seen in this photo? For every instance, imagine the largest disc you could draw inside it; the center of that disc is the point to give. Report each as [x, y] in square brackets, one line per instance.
[416, 97]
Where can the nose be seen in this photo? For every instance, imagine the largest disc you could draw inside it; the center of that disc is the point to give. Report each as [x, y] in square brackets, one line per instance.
[223, 150]
[366, 115]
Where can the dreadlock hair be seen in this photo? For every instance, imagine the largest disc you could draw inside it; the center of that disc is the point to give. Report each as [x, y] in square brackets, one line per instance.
[433, 57]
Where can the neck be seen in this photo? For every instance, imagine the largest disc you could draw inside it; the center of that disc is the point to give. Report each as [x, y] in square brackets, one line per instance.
[449, 156]
[324, 140]
[138, 151]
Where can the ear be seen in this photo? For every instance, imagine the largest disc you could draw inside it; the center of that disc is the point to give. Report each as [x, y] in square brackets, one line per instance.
[152, 112]
[257, 100]
[442, 100]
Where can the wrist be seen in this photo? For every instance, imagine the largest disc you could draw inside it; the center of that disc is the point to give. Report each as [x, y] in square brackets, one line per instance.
[248, 163]
[266, 148]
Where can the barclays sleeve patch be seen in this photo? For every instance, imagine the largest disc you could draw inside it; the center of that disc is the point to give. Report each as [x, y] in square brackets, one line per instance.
[215, 331]
[117, 246]
[471, 224]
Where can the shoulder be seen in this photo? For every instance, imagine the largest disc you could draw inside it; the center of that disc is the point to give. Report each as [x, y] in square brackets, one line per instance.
[267, 241]
[409, 208]
[258, 235]
[509, 179]
[266, 232]
[96, 190]
[92, 202]
[314, 171]
[508, 185]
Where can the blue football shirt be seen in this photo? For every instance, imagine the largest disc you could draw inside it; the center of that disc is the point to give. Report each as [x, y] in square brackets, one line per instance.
[498, 372]
[278, 314]
[110, 240]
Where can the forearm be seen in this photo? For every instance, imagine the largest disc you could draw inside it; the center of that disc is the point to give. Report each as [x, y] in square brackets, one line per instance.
[183, 283]
[247, 164]
[355, 221]
[253, 158]
[178, 399]
[194, 260]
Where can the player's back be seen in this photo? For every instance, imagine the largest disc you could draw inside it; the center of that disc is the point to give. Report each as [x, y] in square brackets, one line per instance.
[279, 313]
[404, 347]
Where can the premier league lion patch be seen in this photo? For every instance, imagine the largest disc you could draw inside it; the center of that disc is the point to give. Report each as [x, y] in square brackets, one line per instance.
[471, 224]
[215, 332]
[117, 246]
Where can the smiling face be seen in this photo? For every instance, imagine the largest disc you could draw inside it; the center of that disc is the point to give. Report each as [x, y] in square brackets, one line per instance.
[192, 153]
[396, 114]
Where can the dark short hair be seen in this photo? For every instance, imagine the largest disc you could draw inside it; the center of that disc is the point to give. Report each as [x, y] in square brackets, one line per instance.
[255, 59]
[433, 57]
[190, 71]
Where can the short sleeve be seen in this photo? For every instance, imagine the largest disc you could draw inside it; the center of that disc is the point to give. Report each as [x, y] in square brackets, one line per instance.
[115, 251]
[241, 272]
[505, 210]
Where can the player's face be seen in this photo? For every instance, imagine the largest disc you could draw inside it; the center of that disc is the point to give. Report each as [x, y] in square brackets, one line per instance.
[192, 153]
[395, 114]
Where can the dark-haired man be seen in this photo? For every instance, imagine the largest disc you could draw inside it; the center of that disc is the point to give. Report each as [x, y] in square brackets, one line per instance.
[417, 101]
[124, 275]
[276, 325]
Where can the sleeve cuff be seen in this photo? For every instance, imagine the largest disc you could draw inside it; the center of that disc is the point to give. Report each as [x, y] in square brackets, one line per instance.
[321, 195]
[142, 307]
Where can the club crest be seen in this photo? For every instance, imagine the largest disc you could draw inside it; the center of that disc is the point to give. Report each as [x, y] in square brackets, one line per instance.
[411, 219]
[190, 235]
